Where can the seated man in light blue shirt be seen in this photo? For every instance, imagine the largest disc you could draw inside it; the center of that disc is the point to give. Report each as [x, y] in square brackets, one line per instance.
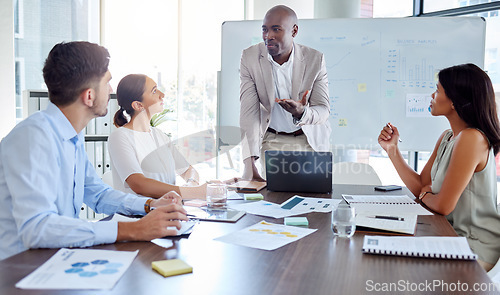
[45, 174]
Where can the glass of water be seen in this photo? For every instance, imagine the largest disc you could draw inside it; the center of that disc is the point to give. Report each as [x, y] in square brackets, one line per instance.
[216, 195]
[343, 221]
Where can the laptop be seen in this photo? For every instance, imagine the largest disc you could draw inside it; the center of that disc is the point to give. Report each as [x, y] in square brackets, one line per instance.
[299, 171]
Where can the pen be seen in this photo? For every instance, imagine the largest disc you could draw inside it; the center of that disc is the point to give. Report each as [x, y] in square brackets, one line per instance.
[390, 126]
[387, 217]
[345, 199]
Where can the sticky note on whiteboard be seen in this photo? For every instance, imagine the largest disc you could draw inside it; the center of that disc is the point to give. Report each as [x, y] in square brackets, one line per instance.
[362, 87]
[390, 93]
[342, 122]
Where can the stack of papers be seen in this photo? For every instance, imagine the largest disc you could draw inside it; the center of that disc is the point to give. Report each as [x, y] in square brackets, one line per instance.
[405, 224]
[386, 213]
[296, 205]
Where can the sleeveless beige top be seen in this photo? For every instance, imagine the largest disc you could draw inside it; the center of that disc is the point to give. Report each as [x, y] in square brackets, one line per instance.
[475, 215]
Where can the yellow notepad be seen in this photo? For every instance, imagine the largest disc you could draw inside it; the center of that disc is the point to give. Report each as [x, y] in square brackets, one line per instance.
[171, 267]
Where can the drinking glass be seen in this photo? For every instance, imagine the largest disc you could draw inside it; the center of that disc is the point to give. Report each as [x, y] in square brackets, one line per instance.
[216, 195]
[343, 221]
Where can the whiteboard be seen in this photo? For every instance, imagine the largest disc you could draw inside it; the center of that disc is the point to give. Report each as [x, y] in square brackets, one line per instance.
[379, 70]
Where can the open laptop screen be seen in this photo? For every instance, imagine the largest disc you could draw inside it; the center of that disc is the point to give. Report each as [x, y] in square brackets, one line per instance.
[299, 171]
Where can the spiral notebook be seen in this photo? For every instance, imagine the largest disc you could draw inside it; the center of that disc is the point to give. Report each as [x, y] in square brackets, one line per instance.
[428, 247]
[385, 205]
[378, 199]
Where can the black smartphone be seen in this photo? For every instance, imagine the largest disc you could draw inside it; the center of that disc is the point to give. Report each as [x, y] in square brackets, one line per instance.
[387, 188]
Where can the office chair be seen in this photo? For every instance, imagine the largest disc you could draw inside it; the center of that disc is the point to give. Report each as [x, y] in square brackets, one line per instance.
[355, 173]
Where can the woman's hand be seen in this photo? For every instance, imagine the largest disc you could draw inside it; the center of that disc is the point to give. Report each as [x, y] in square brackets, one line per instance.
[389, 136]
[427, 188]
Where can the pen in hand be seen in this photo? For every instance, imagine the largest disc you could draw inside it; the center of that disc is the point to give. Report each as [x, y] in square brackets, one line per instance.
[387, 217]
[390, 126]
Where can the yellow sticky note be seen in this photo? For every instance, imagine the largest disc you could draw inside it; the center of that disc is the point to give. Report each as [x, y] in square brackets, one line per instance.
[342, 122]
[362, 87]
[171, 267]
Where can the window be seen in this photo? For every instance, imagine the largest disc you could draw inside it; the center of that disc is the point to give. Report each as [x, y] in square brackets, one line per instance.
[437, 5]
[177, 44]
[392, 8]
[19, 18]
[38, 28]
[20, 76]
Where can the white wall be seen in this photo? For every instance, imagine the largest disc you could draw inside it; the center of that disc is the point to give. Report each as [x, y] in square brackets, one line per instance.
[7, 74]
[337, 8]
[303, 8]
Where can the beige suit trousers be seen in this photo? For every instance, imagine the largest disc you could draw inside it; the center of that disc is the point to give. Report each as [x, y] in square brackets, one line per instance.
[278, 142]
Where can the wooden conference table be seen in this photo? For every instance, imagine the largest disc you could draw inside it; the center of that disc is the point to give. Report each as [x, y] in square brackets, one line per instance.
[316, 264]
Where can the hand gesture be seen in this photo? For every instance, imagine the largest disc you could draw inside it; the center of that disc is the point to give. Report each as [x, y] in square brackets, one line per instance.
[155, 223]
[296, 108]
[389, 136]
[250, 171]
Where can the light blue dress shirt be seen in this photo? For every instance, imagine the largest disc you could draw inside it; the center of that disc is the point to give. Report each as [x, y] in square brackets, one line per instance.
[45, 176]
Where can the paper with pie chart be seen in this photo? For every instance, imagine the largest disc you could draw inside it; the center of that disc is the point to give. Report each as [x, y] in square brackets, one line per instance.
[80, 269]
[266, 236]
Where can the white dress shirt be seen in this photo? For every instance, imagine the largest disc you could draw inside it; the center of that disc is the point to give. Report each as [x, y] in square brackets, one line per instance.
[45, 176]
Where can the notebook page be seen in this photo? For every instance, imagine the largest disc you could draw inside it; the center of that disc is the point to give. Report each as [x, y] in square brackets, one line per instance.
[390, 209]
[406, 226]
[381, 199]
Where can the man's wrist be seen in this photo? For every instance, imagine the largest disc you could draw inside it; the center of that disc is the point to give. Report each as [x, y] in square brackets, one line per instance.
[298, 119]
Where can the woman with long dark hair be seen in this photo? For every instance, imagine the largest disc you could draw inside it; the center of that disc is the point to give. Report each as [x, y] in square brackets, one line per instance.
[459, 179]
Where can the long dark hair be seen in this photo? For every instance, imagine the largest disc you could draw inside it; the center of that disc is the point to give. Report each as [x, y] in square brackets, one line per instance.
[130, 89]
[472, 94]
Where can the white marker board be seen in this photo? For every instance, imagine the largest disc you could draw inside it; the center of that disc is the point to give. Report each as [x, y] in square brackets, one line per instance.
[379, 71]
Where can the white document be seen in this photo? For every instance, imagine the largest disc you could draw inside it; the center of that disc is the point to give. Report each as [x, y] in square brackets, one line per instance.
[86, 269]
[417, 105]
[265, 208]
[390, 209]
[233, 195]
[306, 205]
[185, 225]
[266, 236]
[406, 225]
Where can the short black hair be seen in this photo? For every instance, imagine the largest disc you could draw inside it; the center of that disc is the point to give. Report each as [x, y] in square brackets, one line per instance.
[73, 67]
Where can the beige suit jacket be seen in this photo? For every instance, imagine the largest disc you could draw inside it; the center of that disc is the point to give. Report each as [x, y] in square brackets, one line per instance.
[257, 96]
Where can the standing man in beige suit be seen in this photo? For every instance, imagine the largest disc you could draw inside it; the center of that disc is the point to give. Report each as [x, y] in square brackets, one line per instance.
[283, 93]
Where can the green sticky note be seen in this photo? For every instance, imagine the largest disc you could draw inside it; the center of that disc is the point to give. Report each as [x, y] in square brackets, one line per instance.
[302, 221]
[254, 197]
